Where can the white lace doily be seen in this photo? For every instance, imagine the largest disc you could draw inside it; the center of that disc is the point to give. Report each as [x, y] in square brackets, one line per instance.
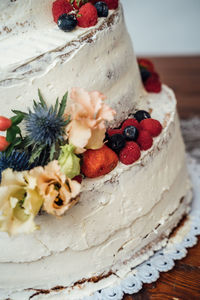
[164, 260]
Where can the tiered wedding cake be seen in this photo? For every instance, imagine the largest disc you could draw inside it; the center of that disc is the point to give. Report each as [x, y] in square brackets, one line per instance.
[119, 218]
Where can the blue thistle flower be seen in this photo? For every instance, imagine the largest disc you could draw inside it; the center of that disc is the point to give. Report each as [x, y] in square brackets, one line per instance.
[18, 161]
[45, 129]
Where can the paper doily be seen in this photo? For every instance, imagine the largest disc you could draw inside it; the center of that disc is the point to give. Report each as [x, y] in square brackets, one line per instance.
[163, 260]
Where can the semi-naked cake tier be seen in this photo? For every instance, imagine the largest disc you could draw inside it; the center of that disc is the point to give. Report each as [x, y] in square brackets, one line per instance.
[34, 54]
[122, 217]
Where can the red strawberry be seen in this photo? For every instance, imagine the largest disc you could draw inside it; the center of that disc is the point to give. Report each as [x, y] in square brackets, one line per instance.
[130, 153]
[87, 16]
[146, 63]
[3, 143]
[99, 162]
[153, 84]
[111, 132]
[152, 126]
[59, 8]
[112, 4]
[130, 122]
[78, 178]
[5, 123]
[77, 3]
[145, 140]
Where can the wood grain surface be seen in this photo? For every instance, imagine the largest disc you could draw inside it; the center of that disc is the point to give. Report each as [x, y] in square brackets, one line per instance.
[183, 282]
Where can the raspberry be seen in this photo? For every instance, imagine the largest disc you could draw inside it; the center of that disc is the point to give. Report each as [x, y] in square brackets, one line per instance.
[145, 140]
[130, 153]
[59, 8]
[112, 4]
[3, 143]
[87, 16]
[146, 63]
[153, 84]
[111, 132]
[130, 122]
[152, 126]
[5, 123]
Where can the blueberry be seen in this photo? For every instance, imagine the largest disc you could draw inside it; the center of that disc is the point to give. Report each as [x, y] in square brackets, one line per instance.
[102, 9]
[116, 142]
[131, 133]
[67, 22]
[141, 115]
[145, 74]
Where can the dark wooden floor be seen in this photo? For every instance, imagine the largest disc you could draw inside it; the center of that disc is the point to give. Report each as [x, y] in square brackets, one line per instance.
[183, 282]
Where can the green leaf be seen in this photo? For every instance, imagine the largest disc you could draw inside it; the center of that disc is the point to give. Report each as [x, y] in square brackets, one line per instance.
[63, 105]
[42, 102]
[36, 153]
[12, 132]
[15, 143]
[67, 121]
[56, 105]
[18, 118]
[52, 152]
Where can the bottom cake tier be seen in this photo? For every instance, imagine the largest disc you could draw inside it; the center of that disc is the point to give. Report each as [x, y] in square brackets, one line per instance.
[120, 220]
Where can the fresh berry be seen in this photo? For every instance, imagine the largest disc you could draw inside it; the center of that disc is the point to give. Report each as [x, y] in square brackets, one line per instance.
[87, 15]
[3, 143]
[67, 22]
[145, 74]
[102, 9]
[130, 133]
[152, 126]
[78, 178]
[130, 122]
[112, 4]
[130, 153]
[153, 83]
[146, 63]
[59, 8]
[141, 115]
[77, 3]
[116, 142]
[99, 162]
[111, 132]
[5, 123]
[145, 140]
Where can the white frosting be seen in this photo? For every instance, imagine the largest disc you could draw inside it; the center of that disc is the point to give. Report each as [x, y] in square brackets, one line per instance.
[114, 219]
[39, 56]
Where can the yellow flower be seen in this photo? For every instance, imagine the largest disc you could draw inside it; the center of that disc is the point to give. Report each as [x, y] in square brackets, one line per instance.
[59, 192]
[88, 114]
[20, 202]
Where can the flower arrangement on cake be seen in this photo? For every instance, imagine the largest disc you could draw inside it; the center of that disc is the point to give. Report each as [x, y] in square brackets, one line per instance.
[47, 152]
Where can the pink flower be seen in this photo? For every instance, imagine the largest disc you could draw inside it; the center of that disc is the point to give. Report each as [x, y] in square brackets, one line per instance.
[88, 114]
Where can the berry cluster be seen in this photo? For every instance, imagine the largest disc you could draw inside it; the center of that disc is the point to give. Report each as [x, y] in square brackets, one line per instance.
[84, 13]
[5, 124]
[150, 77]
[135, 134]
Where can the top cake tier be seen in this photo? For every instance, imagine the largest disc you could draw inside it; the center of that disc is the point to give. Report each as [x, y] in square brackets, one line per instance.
[35, 53]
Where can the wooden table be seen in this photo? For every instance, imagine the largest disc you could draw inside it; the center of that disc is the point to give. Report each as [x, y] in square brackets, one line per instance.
[183, 282]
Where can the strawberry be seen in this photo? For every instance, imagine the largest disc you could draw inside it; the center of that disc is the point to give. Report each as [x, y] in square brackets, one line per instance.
[145, 140]
[146, 63]
[153, 84]
[152, 126]
[5, 123]
[112, 4]
[3, 143]
[59, 8]
[99, 162]
[111, 132]
[77, 3]
[87, 16]
[130, 122]
[130, 153]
